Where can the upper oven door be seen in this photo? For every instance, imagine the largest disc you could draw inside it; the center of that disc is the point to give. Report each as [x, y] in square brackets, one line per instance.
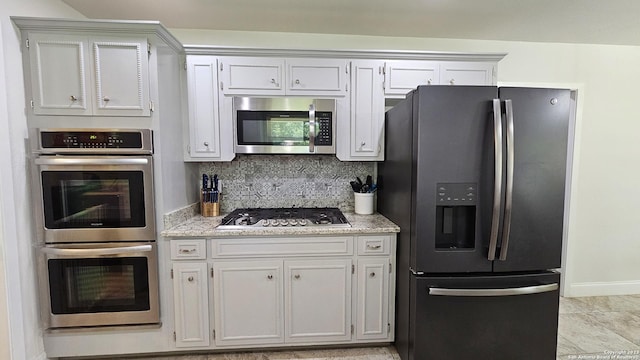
[94, 198]
[284, 125]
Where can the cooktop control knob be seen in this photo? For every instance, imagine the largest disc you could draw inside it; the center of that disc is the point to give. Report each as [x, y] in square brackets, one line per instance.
[302, 222]
[264, 222]
[283, 222]
[273, 222]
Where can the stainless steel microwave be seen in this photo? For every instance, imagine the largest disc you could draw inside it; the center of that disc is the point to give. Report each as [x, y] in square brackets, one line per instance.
[284, 125]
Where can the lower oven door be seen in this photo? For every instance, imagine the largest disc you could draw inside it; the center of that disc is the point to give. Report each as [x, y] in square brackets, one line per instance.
[98, 284]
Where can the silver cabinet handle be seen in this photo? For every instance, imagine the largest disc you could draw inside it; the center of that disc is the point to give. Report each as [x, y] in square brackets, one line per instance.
[190, 278]
[73, 98]
[497, 178]
[56, 160]
[312, 128]
[527, 290]
[297, 276]
[96, 252]
[508, 200]
[297, 82]
[269, 276]
[206, 143]
[452, 82]
[377, 246]
[372, 274]
[187, 251]
[106, 99]
[362, 144]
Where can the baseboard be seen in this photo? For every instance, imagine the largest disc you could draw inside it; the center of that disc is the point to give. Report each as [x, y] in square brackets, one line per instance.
[604, 288]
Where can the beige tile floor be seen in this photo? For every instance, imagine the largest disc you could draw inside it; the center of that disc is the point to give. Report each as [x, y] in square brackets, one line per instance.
[606, 327]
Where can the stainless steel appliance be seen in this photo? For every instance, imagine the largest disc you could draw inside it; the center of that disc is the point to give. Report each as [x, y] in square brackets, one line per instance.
[475, 178]
[98, 284]
[96, 227]
[284, 217]
[94, 185]
[284, 125]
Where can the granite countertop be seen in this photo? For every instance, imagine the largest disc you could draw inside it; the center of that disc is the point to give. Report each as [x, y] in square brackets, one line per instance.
[200, 226]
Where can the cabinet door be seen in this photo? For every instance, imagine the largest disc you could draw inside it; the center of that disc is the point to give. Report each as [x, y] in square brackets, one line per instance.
[318, 300]
[372, 319]
[248, 302]
[252, 76]
[59, 75]
[402, 76]
[191, 304]
[367, 110]
[204, 120]
[466, 73]
[314, 77]
[121, 70]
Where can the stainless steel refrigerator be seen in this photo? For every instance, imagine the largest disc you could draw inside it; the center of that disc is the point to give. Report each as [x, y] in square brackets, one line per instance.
[475, 178]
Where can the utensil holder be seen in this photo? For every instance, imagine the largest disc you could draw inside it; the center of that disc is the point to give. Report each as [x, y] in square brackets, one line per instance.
[363, 203]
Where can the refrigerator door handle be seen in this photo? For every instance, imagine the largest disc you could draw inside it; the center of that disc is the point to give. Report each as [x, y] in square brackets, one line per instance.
[506, 224]
[527, 290]
[497, 178]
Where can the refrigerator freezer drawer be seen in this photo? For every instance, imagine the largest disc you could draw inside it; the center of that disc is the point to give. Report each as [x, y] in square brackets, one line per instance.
[485, 317]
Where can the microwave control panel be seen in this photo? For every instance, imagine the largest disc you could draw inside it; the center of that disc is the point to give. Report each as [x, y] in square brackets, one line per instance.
[323, 137]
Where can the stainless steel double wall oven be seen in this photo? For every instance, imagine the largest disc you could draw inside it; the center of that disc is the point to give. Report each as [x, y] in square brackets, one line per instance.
[95, 219]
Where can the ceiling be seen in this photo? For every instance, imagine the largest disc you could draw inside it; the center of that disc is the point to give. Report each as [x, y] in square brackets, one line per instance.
[568, 21]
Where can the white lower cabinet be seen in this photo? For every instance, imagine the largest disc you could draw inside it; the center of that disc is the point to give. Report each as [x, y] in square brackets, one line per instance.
[318, 300]
[191, 304]
[278, 291]
[372, 319]
[248, 302]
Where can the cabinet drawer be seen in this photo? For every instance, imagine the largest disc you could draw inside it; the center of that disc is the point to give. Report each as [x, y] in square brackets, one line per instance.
[260, 247]
[188, 249]
[373, 245]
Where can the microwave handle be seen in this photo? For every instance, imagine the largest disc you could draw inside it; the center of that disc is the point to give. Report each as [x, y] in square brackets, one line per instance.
[312, 128]
[98, 251]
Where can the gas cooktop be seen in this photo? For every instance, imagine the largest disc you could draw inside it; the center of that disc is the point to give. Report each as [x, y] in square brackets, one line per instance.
[283, 217]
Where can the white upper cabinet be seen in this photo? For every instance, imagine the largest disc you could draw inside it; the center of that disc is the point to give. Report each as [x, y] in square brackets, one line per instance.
[362, 138]
[251, 75]
[267, 76]
[208, 138]
[466, 73]
[402, 76]
[83, 75]
[317, 77]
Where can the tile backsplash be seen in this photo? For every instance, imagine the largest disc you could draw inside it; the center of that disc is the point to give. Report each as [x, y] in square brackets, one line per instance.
[287, 181]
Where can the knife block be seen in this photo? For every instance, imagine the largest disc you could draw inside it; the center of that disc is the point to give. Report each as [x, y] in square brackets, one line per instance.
[209, 209]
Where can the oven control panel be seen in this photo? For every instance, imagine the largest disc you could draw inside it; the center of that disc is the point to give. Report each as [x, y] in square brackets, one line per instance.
[80, 139]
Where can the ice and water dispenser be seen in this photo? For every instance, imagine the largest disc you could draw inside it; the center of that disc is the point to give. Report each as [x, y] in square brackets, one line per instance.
[456, 216]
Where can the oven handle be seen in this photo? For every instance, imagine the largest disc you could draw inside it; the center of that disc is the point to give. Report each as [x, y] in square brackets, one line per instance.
[90, 161]
[97, 252]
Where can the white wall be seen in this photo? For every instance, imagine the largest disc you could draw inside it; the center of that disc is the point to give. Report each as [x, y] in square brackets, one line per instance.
[604, 231]
[16, 252]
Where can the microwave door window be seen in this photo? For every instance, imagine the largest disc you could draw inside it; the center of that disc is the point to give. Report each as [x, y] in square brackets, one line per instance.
[93, 199]
[273, 128]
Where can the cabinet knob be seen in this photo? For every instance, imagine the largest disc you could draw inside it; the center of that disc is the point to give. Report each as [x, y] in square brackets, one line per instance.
[73, 98]
[106, 99]
[206, 143]
[452, 82]
[373, 274]
[190, 278]
[429, 82]
[269, 276]
[297, 81]
[297, 276]
[362, 144]
[273, 81]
